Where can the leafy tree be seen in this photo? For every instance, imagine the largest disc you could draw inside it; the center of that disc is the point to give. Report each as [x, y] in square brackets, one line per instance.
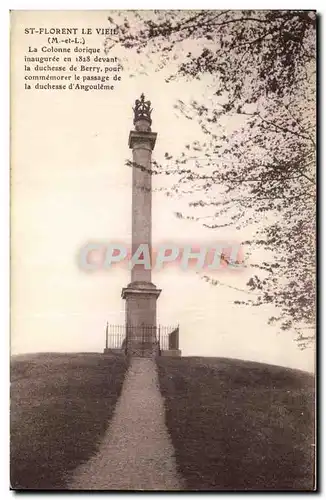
[259, 74]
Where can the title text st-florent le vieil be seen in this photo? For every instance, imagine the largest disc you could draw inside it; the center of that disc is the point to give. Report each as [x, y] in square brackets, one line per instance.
[71, 31]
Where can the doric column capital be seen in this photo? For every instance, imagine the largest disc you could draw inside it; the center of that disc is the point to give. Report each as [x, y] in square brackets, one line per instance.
[140, 288]
[144, 139]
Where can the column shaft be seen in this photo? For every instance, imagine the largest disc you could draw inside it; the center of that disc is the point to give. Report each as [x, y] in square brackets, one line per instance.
[141, 207]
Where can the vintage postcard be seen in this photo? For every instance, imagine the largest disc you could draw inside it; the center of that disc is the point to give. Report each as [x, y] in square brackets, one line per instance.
[163, 216]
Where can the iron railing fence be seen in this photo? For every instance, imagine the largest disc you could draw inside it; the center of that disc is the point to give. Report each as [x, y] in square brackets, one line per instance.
[166, 336]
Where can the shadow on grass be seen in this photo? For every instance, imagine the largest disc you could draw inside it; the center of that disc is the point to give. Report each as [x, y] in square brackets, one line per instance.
[239, 425]
[60, 408]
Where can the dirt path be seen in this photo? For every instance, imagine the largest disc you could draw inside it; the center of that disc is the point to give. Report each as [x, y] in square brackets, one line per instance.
[136, 452]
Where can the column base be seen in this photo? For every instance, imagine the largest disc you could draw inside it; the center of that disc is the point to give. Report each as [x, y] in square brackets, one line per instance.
[141, 297]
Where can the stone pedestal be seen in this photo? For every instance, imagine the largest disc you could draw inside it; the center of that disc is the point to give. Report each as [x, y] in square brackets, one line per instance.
[141, 334]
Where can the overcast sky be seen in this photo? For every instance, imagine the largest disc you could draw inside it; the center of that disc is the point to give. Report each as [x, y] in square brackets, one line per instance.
[70, 185]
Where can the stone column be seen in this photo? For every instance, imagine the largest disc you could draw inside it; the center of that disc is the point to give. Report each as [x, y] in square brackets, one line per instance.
[141, 294]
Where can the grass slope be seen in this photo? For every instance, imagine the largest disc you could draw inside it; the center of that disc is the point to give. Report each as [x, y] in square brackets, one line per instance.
[60, 407]
[239, 425]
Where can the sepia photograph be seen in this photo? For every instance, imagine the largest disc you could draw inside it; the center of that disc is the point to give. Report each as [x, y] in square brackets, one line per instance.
[163, 250]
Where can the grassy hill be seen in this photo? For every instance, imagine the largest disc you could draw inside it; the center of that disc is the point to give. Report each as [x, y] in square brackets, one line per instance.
[235, 425]
[239, 425]
[60, 406]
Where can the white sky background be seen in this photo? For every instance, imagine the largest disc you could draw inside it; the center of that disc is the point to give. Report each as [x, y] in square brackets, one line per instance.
[70, 185]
